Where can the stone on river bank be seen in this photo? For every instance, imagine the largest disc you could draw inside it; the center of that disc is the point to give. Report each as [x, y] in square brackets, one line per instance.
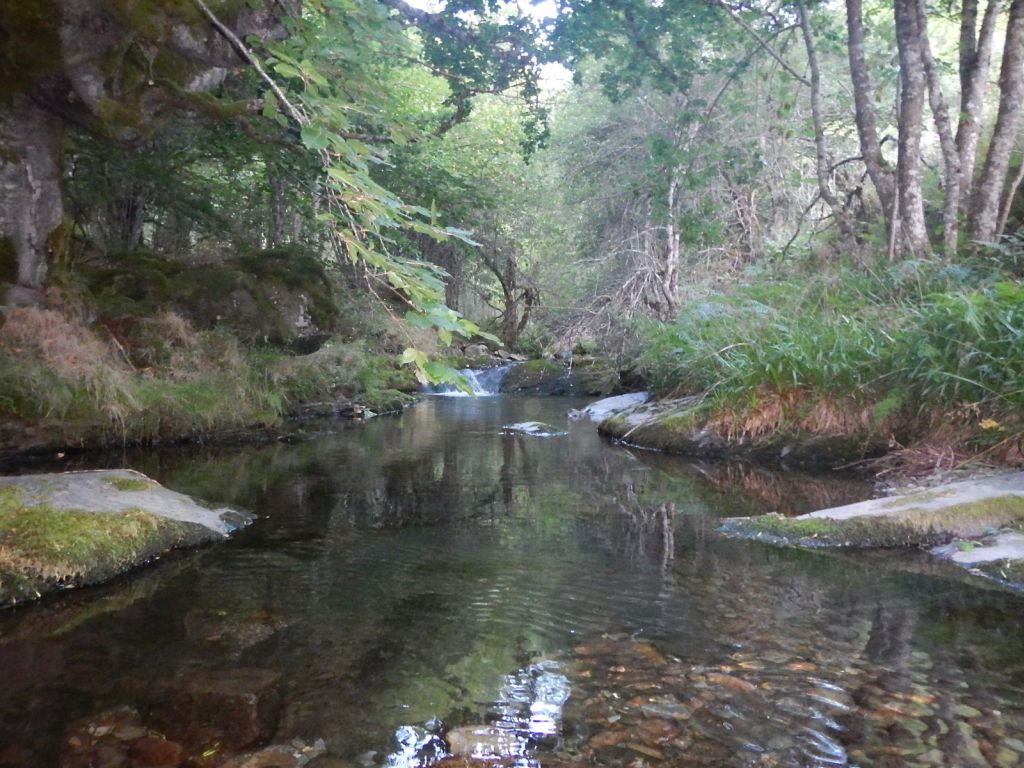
[971, 523]
[78, 528]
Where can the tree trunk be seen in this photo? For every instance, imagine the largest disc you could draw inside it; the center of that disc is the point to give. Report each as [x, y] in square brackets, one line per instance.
[30, 196]
[276, 235]
[864, 114]
[912, 93]
[820, 154]
[510, 318]
[989, 194]
[950, 156]
[670, 272]
[1011, 194]
[975, 56]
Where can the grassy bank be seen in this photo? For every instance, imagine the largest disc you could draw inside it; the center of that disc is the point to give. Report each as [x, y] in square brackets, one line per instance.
[65, 383]
[927, 358]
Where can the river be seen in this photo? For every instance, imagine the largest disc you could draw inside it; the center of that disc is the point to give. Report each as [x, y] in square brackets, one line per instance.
[413, 575]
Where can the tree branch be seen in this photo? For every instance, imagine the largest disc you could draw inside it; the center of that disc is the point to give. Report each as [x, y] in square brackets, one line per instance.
[761, 41]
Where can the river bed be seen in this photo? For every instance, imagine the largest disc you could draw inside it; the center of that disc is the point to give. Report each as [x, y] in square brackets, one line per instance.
[423, 579]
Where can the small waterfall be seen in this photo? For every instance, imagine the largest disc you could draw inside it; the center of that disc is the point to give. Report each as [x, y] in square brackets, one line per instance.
[485, 382]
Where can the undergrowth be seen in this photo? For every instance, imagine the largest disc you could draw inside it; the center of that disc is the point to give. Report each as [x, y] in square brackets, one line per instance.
[906, 349]
[143, 379]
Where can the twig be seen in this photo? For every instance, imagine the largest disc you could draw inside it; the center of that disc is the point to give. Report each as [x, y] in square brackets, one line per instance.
[761, 42]
[246, 54]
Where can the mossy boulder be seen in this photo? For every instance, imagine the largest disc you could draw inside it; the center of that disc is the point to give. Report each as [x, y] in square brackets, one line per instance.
[976, 524]
[80, 528]
[580, 376]
[536, 376]
[381, 401]
[282, 296]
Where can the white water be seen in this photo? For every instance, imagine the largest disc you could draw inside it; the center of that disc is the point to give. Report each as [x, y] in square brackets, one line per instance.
[484, 382]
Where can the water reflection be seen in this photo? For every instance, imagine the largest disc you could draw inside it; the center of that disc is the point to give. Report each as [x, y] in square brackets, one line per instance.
[419, 575]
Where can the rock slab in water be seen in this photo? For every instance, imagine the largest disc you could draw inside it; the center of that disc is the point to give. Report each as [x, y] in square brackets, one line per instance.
[971, 523]
[120, 490]
[680, 426]
[534, 429]
[78, 528]
[609, 406]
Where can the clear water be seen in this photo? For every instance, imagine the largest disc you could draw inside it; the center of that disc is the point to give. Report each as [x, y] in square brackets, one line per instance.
[417, 574]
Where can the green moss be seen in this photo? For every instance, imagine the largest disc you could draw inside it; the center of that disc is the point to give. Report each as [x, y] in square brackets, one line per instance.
[44, 548]
[858, 532]
[913, 527]
[30, 46]
[385, 400]
[131, 484]
[142, 283]
[913, 498]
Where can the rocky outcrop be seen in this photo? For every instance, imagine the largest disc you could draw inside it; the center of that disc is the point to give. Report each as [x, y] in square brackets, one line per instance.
[578, 376]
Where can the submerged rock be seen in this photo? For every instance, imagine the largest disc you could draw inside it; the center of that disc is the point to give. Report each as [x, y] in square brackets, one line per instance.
[295, 755]
[232, 708]
[483, 741]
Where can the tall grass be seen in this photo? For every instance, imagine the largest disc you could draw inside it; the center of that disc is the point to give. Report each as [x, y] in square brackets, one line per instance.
[156, 378]
[920, 338]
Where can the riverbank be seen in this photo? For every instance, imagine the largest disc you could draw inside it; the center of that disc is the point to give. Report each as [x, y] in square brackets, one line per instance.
[919, 363]
[67, 385]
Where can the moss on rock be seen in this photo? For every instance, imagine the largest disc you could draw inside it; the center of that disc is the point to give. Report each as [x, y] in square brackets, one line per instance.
[44, 548]
[909, 527]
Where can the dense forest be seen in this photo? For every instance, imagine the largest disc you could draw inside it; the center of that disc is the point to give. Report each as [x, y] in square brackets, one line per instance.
[802, 216]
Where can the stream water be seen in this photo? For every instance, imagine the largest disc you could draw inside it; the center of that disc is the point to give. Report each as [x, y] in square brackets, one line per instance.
[429, 577]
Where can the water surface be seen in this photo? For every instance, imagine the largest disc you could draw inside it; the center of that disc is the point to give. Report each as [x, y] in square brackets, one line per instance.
[417, 574]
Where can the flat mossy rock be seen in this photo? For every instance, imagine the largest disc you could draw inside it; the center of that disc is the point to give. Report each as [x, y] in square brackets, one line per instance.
[977, 524]
[680, 426]
[78, 528]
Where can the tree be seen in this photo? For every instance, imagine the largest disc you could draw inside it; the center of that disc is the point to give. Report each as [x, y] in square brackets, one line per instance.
[990, 194]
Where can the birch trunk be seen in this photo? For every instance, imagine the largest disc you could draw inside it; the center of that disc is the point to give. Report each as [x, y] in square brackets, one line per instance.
[864, 114]
[950, 156]
[820, 151]
[912, 95]
[975, 58]
[989, 193]
[30, 195]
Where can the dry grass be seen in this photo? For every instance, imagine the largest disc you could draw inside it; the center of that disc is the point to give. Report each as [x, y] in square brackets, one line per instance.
[72, 350]
[774, 412]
